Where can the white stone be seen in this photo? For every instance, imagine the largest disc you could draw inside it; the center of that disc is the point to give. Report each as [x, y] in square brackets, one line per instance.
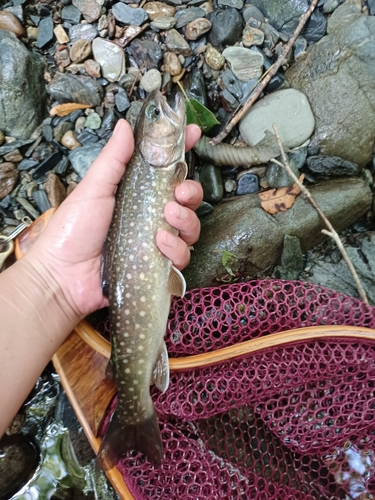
[291, 112]
[151, 80]
[244, 63]
[110, 57]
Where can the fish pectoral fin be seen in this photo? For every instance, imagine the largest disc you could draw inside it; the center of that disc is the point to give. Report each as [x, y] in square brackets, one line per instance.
[179, 174]
[176, 283]
[160, 374]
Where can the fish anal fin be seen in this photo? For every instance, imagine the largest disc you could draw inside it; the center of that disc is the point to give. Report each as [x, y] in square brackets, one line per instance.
[160, 374]
[176, 283]
[120, 438]
[179, 174]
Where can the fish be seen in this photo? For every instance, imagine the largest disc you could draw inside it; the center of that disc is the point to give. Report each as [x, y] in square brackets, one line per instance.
[139, 280]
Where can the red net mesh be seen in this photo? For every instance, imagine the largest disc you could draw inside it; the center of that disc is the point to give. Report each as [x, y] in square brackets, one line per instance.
[296, 421]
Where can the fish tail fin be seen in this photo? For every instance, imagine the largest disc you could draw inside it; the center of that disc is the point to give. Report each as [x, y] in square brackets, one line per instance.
[144, 437]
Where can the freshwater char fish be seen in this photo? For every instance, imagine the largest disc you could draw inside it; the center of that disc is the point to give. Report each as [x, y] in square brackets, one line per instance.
[139, 280]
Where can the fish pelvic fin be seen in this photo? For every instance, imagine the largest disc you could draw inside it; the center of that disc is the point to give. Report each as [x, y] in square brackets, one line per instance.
[144, 437]
[179, 174]
[176, 283]
[160, 374]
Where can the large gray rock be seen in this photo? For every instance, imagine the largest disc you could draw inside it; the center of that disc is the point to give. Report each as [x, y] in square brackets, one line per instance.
[22, 94]
[338, 77]
[336, 275]
[255, 237]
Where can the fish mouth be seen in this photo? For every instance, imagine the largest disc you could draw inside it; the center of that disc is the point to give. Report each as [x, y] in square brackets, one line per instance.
[176, 114]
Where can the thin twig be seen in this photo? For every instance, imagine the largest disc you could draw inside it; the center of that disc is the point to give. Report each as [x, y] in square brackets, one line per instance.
[332, 233]
[273, 70]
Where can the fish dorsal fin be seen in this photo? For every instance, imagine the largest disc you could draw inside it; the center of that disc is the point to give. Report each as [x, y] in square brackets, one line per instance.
[160, 374]
[176, 283]
[179, 174]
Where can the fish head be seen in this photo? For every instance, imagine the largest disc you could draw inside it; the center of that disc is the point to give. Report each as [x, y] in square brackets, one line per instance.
[160, 130]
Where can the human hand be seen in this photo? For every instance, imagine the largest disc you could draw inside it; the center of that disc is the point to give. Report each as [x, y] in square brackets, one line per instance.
[69, 249]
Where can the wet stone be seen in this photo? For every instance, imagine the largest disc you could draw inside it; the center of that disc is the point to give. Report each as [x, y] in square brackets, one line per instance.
[10, 22]
[85, 31]
[163, 23]
[11, 146]
[8, 178]
[172, 63]
[61, 34]
[212, 183]
[226, 27]
[28, 207]
[73, 88]
[146, 53]
[252, 12]
[300, 47]
[228, 101]
[2, 138]
[237, 4]
[14, 156]
[176, 43]
[62, 58]
[214, 58]
[80, 50]
[204, 209]
[252, 36]
[82, 158]
[110, 57]
[197, 28]
[247, 183]
[41, 200]
[92, 68]
[159, 9]
[291, 259]
[61, 129]
[122, 100]
[331, 166]
[184, 17]
[195, 87]
[69, 140]
[55, 190]
[27, 164]
[129, 15]
[47, 133]
[32, 33]
[151, 80]
[93, 121]
[89, 8]
[45, 34]
[71, 14]
[244, 63]
[278, 177]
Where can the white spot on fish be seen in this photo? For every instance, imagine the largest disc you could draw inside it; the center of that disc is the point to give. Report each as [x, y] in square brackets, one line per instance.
[129, 351]
[124, 360]
[127, 295]
[142, 276]
[137, 326]
[129, 276]
[145, 258]
[140, 348]
[142, 313]
[139, 372]
[132, 224]
[127, 311]
[141, 361]
[135, 382]
[126, 334]
[143, 298]
[134, 267]
[131, 257]
[118, 324]
[142, 336]
[131, 389]
[127, 370]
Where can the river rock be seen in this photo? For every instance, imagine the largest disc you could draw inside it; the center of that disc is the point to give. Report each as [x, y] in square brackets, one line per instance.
[244, 63]
[133, 112]
[331, 166]
[186, 16]
[288, 109]
[110, 57]
[172, 63]
[338, 77]
[45, 33]
[197, 28]
[251, 11]
[291, 259]
[85, 31]
[10, 22]
[69, 140]
[214, 58]
[83, 157]
[176, 43]
[243, 228]
[129, 15]
[89, 8]
[247, 183]
[71, 14]
[22, 96]
[163, 23]
[74, 88]
[329, 273]
[252, 36]
[146, 53]
[212, 183]
[159, 9]
[151, 80]
[278, 177]
[80, 50]
[284, 16]
[226, 27]
[55, 189]
[8, 178]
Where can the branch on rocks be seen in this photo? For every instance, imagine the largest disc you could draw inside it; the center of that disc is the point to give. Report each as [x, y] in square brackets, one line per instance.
[331, 231]
[267, 76]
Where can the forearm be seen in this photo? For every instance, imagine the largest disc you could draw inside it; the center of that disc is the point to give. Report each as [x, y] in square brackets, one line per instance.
[34, 321]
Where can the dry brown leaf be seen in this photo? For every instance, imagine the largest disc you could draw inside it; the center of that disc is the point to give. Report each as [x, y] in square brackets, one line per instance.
[66, 109]
[279, 200]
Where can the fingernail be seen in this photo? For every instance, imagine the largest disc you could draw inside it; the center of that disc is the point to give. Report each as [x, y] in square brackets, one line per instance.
[116, 129]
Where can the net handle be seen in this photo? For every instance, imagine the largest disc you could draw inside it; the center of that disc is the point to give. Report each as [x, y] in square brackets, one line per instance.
[89, 335]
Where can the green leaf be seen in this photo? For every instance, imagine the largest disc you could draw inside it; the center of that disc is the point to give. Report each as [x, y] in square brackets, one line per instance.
[227, 261]
[200, 115]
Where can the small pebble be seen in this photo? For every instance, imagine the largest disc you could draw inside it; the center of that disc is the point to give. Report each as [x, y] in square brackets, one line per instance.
[55, 190]
[252, 36]
[197, 28]
[247, 183]
[61, 34]
[172, 63]
[28, 207]
[163, 23]
[159, 9]
[214, 58]
[80, 124]
[92, 68]
[80, 50]
[69, 140]
[93, 121]
[8, 178]
[122, 100]
[14, 156]
[128, 15]
[151, 80]
[32, 33]
[41, 200]
[2, 138]
[177, 44]
[244, 63]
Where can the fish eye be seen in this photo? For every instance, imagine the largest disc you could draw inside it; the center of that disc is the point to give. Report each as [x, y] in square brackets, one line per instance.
[153, 112]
